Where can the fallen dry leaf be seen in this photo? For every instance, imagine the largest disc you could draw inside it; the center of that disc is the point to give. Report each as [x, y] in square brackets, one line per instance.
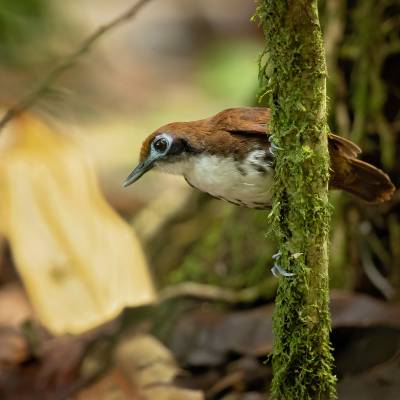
[111, 386]
[381, 382]
[14, 348]
[360, 349]
[144, 370]
[172, 393]
[205, 337]
[79, 261]
[148, 365]
[352, 309]
[146, 360]
[14, 305]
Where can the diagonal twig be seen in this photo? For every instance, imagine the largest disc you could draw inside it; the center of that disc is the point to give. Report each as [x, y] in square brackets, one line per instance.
[67, 62]
[216, 293]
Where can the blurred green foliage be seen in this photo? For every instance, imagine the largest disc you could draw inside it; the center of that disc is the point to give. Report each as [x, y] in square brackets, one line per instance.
[228, 70]
[22, 22]
[234, 251]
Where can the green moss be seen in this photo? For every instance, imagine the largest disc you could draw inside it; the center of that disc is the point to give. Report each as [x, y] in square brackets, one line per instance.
[293, 77]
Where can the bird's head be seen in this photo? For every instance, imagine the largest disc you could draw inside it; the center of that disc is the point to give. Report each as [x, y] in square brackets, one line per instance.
[167, 149]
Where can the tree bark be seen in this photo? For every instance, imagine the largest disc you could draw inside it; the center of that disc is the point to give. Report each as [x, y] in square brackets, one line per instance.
[293, 76]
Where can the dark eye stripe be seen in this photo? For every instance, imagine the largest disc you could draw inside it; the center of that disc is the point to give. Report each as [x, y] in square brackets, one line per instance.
[171, 146]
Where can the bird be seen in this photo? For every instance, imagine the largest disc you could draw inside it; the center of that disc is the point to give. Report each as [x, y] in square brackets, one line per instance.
[231, 157]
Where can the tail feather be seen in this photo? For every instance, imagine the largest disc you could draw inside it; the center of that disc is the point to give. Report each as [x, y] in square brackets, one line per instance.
[364, 181]
[356, 176]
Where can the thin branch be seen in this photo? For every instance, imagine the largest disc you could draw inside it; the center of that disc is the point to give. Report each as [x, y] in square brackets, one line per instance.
[216, 293]
[67, 62]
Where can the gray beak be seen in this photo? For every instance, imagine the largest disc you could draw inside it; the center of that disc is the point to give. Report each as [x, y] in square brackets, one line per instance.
[140, 170]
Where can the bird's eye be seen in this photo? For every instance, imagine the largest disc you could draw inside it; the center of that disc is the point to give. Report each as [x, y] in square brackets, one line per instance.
[160, 145]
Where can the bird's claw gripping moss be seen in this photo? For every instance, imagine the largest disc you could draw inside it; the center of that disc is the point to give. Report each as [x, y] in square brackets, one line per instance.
[277, 270]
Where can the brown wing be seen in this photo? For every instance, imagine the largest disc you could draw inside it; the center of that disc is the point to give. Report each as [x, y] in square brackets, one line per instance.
[253, 120]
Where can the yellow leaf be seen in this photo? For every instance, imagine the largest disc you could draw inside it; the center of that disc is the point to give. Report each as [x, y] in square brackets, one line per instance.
[146, 361]
[79, 261]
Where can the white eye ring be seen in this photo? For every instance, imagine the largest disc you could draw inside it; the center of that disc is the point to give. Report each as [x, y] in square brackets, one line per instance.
[161, 144]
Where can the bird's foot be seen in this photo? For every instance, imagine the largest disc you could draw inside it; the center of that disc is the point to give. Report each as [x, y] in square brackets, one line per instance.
[273, 148]
[277, 270]
[276, 255]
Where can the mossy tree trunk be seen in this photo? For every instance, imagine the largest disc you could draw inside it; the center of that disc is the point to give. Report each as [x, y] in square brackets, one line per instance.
[294, 77]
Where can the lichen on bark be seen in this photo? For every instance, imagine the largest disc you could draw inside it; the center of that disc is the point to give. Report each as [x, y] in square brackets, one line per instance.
[293, 77]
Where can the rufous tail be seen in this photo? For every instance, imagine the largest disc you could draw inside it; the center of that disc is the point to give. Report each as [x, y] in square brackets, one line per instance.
[356, 176]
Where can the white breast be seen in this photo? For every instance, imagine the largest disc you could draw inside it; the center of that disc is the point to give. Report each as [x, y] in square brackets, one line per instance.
[245, 183]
